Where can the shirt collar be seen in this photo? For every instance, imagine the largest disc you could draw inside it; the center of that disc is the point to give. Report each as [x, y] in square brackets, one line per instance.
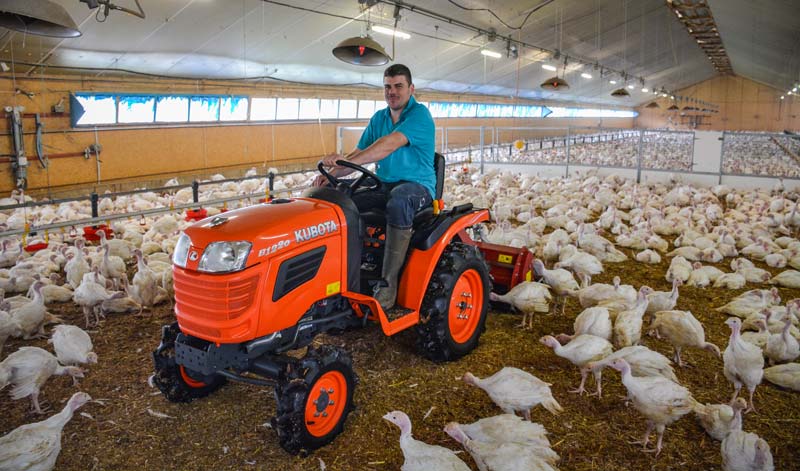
[411, 103]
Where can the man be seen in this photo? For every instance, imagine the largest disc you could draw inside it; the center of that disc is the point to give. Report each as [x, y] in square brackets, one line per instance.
[400, 139]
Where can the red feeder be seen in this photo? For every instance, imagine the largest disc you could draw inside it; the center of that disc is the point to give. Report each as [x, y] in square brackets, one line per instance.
[196, 214]
[90, 232]
[36, 247]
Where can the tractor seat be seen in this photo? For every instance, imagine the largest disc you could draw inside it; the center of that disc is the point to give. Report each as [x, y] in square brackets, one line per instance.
[377, 217]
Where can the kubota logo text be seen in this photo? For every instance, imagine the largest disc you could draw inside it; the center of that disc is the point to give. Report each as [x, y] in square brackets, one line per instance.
[316, 230]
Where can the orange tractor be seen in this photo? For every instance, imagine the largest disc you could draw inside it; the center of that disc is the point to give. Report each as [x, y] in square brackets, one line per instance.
[255, 283]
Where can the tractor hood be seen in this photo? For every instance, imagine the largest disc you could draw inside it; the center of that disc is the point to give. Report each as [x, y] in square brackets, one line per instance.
[271, 227]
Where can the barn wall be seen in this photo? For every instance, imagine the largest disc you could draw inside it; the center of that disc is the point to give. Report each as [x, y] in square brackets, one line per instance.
[154, 153]
[744, 105]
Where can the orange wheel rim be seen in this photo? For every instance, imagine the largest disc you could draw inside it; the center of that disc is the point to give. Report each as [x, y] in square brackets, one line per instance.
[325, 404]
[193, 383]
[466, 303]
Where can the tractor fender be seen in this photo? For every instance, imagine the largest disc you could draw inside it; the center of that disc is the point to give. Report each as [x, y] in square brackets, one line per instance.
[421, 263]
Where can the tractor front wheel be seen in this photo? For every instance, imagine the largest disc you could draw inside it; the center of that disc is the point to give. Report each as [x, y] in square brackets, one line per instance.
[177, 383]
[454, 308]
[314, 399]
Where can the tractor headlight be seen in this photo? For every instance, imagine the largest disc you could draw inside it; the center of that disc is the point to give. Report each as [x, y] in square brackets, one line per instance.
[181, 253]
[220, 257]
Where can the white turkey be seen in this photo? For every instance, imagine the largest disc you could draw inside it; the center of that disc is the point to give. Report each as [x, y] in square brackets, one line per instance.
[420, 456]
[73, 345]
[500, 456]
[580, 351]
[743, 362]
[730, 281]
[642, 360]
[679, 269]
[682, 330]
[560, 280]
[28, 369]
[528, 297]
[720, 419]
[31, 317]
[591, 321]
[787, 279]
[660, 400]
[744, 451]
[35, 447]
[782, 347]
[515, 390]
[628, 324]
[507, 427]
[786, 376]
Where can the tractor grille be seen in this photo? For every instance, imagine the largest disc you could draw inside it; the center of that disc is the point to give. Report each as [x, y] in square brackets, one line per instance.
[217, 300]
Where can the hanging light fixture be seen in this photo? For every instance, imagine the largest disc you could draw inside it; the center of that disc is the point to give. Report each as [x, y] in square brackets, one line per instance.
[652, 104]
[556, 83]
[673, 107]
[620, 93]
[41, 17]
[361, 50]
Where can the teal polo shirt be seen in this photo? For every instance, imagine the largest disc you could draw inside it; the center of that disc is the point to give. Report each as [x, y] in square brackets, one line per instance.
[414, 161]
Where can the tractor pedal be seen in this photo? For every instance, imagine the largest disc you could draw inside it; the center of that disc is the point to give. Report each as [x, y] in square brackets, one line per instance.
[396, 312]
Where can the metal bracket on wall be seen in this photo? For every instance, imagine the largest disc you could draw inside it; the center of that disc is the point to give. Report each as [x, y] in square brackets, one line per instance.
[19, 162]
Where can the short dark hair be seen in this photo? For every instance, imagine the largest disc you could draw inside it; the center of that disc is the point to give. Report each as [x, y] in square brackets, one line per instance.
[398, 69]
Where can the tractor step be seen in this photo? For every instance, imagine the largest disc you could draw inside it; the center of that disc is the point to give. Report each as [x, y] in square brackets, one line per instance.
[397, 312]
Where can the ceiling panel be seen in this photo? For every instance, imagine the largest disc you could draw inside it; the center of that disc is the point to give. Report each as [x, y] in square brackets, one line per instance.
[254, 38]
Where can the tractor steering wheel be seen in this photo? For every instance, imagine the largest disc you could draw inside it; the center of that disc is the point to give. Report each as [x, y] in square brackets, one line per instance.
[357, 184]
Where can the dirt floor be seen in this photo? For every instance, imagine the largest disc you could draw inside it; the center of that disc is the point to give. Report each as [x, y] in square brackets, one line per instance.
[230, 429]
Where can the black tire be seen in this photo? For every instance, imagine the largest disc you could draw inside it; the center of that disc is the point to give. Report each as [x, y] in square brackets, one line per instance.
[176, 383]
[298, 431]
[436, 337]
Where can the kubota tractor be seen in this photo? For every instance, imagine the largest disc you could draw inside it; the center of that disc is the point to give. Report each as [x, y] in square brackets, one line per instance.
[254, 283]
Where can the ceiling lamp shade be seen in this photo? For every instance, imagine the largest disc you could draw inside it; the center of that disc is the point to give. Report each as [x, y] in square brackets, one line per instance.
[361, 50]
[620, 93]
[652, 104]
[673, 107]
[555, 83]
[41, 17]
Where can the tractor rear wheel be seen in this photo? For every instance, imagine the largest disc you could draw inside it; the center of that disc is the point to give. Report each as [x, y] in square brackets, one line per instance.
[314, 399]
[177, 383]
[453, 314]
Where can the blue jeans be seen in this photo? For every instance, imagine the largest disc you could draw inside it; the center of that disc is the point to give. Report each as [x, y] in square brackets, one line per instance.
[401, 201]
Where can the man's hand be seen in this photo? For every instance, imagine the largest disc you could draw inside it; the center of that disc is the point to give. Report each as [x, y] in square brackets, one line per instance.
[330, 162]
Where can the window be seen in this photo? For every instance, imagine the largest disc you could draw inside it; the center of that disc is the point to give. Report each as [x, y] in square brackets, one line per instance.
[263, 109]
[439, 110]
[463, 110]
[89, 109]
[562, 112]
[366, 108]
[233, 108]
[348, 109]
[204, 108]
[328, 109]
[488, 111]
[136, 109]
[97, 109]
[172, 109]
[287, 108]
[309, 108]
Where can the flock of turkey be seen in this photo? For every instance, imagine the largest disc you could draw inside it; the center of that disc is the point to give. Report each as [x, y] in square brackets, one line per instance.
[705, 240]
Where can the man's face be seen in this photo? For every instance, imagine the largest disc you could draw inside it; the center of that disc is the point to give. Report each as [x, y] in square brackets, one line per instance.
[397, 91]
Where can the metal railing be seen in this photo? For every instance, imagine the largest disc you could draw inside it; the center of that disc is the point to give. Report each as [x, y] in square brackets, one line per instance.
[743, 154]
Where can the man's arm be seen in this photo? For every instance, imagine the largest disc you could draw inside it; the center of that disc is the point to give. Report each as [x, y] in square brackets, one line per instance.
[375, 152]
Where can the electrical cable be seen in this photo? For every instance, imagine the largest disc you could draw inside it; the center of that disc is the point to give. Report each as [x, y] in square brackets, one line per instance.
[535, 9]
